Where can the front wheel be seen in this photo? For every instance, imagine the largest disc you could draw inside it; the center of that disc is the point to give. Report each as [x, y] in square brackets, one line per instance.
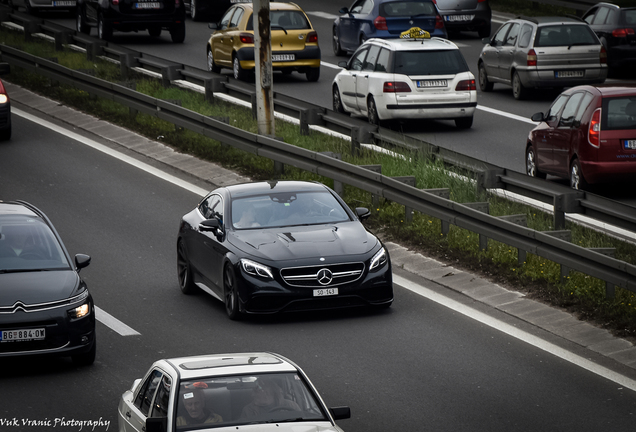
[531, 164]
[178, 33]
[337, 49]
[518, 90]
[231, 294]
[212, 67]
[337, 101]
[577, 181]
[184, 273]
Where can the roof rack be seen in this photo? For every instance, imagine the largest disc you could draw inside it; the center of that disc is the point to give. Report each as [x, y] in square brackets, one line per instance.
[527, 18]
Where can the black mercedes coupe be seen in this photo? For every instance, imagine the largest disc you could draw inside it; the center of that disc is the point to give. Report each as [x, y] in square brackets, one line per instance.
[277, 246]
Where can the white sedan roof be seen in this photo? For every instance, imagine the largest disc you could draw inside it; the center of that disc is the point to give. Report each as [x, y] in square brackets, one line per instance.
[434, 43]
[229, 364]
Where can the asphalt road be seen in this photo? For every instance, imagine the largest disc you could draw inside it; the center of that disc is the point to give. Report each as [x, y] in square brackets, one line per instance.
[417, 366]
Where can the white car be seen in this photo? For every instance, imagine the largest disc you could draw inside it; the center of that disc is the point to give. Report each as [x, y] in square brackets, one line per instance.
[225, 392]
[415, 77]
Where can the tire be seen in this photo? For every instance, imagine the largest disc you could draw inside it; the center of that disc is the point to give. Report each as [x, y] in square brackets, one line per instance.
[230, 294]
[464, 122]
[87, 358]
[194, 14]
[5, 135]
[82, 27]
[104, 29]
[577, 181]
[337, 100]
[372, 112]
[154, 31]
[531, 164]
[518, 90]
[212, 67]
[484, 31]
[30, 10]
[184, 272]
[484, 84]
[237, 70]
[337, 49]
[178, 33]
[313, 74]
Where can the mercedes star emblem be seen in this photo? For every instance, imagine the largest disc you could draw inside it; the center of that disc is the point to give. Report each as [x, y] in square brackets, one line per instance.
[324, 276]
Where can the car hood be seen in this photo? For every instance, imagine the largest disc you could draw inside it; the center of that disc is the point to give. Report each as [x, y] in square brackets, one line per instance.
[300, 242]
[279, 427]
[37, 287]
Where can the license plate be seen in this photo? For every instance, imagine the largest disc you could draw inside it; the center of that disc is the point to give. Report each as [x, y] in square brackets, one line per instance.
[459, 17]
[325, 292]
[630, 144]
[21, 335]
[568, 74]
[63, 3]
[432, 83]
[148, 5]
[283, 57]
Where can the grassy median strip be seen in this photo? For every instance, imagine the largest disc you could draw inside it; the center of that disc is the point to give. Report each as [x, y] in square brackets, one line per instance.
[538, 278]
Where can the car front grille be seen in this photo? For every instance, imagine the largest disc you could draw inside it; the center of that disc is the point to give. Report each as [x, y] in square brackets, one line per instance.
[322, 276]
[37, 307]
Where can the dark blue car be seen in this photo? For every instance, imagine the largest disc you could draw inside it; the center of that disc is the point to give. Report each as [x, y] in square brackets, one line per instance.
[384, 19]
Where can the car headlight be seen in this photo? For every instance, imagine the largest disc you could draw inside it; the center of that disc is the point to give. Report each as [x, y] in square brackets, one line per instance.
[80, 311]
[256, 269]
[379, 259]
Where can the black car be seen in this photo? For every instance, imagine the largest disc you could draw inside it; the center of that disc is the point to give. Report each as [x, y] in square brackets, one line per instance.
[45, 306]
[5, 107]
[34, 7]
[132, 15]
[616, 28]
[210, 10]
[472, 15]
[282, 246]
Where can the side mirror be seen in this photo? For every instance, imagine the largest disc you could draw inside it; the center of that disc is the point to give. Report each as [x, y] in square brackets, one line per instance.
[81, 261]
[344, 10]
[156, 424]
[340, 413]
[213, 26]
[213, 225]
[363, 213]
[5, 68]
[342, 64]
[538, 117]
[485, 41]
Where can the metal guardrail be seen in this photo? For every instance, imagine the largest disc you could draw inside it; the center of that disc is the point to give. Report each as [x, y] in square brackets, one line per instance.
[545, 244]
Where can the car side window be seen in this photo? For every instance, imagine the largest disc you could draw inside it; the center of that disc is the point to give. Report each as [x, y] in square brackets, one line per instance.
[212, 207]
[147, 392]
[600, 16]
[357, 59]
[369, 63]
[357, 6]
[160, 405]
[590, 16]
[511, 38]
[236, 18]
[587, 99]
[567, 116]
[382, 65]
[525, 36]
[555, 108]
[226, 18]
[500, 36]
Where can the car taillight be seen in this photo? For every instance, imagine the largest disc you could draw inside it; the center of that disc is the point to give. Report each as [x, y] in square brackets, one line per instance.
[115, 2]
[246, 38]
[312, 37]
[439, 22]
[621, 33]
[603, 55]
[465, 85]
[532, 58]
[594, 133]
[177, 3]
[396, 87]
[380, 23]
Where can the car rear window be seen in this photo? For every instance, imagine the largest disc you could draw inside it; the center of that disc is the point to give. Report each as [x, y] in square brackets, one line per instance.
[407, 9]
[565, 35]
[287, 19]
[442, 62]
[630, 17]
[619, 113]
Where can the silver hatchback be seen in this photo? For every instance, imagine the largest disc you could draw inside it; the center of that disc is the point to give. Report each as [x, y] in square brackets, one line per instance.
[539, 52]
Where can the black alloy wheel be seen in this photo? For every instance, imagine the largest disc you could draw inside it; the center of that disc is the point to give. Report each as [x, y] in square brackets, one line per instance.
[186, 283]
[337, 101]
[230, 294]
[337, 49]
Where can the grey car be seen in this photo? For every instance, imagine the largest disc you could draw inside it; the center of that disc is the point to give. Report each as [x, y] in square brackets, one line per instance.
[472, 15]
[542, 52]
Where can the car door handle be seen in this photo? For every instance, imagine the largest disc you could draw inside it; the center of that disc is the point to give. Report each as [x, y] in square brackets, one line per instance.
[128, 414]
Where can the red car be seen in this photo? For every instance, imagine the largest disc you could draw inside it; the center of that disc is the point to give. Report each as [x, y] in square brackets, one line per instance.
[588, 136]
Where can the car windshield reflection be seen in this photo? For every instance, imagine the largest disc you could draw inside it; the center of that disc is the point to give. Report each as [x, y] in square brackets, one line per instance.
[287, 209]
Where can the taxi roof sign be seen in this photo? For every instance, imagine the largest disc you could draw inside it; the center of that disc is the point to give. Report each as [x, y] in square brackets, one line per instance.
[415, 33]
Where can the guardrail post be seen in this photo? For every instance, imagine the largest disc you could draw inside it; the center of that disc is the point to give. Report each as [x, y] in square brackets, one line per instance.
[488, 179]
[443, 193]
[61, 38]
[483, 207]
[126, 62]
[355, 141]
[522, 220]
[214, 85]
[566, 203]
[408, 211]
[169, 74]
[304, 124]
[610, 288]
[375, 200]
[94, 50]
[565, 235]
[337, 185]
[30, 27]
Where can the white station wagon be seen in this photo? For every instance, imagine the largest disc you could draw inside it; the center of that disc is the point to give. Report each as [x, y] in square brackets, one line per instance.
[414, 77]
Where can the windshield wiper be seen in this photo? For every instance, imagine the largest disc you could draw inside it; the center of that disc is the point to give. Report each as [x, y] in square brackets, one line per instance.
[279, 27]
[21, 270]
[286, 420]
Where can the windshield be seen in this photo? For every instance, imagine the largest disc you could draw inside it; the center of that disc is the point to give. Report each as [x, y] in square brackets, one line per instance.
[285, 209]
[428, 62]
[246, 399]
[27, 244]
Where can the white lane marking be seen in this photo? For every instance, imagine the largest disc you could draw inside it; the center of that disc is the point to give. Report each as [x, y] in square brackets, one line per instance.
[324, 15]
[113, 323]
[516, 333]
[507, 115]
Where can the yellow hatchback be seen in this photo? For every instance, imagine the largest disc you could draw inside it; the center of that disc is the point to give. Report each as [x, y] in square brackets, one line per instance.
[294, 41]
